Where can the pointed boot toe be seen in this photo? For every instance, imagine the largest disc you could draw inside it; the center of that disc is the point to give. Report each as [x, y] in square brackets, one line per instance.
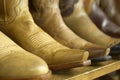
[103, 23]
[23, 66]
[100, 52]
[19, 25]
[73, 55]
[18, 64]
[82, 25]
[71, 58]
[96, 51]
[55, 26]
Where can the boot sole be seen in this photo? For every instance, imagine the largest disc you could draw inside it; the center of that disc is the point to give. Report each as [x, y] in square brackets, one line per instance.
[69, 65]
[41, 77]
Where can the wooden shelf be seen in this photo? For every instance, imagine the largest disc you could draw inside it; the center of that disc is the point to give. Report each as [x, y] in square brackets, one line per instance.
[89, 72]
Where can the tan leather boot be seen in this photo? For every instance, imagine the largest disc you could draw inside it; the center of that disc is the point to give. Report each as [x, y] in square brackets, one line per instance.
[102, 21]
[47, 15]
[99, 18]
[18, 64]
[16, 21]
[81, 24]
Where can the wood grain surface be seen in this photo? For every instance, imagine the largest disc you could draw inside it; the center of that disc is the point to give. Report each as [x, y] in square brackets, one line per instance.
[88, 72]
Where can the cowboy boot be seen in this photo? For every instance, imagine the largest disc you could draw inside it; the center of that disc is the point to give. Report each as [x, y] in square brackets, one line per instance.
[99, 18]
[102, 22]
[111, 10]
[17, 22]
[55, 26]
[81, 24]
[18, 64]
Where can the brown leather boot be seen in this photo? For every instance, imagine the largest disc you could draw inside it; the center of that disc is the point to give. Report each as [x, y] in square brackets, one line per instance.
[117, 4]
[17, 22]
[81, 24]
[102, 22]
[47, 15]
[18, 64]
[111, 8]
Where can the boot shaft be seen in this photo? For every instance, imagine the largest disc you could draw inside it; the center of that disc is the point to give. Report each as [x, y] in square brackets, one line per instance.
[38, 4]
[67, 6]
[82, 25]
[75, 6]
[43, 7]
[108, 6]
[45, 3]
[10, 9]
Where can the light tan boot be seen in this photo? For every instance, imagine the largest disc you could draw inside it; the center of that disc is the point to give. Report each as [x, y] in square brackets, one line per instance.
[18, 64]
[17, 22]
[46, 14]
[81, 24]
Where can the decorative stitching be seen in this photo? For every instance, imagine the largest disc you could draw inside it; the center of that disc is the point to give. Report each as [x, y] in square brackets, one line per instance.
[14, 8]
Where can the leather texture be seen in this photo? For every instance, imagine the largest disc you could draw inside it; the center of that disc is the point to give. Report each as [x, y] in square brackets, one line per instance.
[99, 18]
[88, 4]
[16, 63]
[81, 24]
[111, 8]
[28, 35]
[47, 15]
[103, 23]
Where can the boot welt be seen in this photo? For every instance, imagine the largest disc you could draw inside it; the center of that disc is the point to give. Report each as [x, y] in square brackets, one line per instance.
[80, 64]
[41, 77]
[70, 65]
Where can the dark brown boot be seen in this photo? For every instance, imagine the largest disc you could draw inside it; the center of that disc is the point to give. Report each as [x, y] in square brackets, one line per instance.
[103, 23]
[81, 24]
